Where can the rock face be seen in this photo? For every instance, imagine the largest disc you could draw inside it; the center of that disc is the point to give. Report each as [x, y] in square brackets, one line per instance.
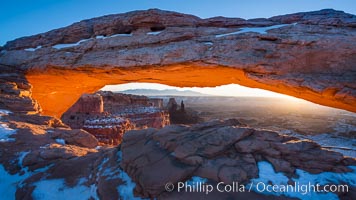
[308, 55]
[88, 104]
[108, 130]
[181, 115]
[16, 92]
[40, 155]
[109, 115]
[221, 151]
[76, 137]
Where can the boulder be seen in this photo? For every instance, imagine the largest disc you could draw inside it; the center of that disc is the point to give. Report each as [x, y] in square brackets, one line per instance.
[78, 137]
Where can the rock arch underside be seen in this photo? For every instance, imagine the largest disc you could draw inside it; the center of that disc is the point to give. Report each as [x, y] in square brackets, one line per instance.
[307, 55]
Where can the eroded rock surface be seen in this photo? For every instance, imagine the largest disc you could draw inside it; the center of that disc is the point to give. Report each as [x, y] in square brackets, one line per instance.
[221, 151]
[308, 55]
[108, 115]
[39, 155]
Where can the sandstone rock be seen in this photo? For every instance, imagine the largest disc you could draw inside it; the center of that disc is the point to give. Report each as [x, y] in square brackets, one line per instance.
[311, 59]
[76, 137]
[16, 92]
[108, 130]
[109, 115]
[39, 120]
[137, 165]
[155, 163]
[294, 58]
[334, 18]
[281, 165]
[219, 152]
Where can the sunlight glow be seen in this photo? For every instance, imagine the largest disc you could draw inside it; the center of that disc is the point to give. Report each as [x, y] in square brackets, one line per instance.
[224, 90]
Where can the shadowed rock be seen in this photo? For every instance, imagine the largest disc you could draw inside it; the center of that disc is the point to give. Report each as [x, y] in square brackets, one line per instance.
[220, 151]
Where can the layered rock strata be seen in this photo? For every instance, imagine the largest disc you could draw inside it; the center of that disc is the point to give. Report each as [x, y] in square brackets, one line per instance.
[108, 130]
[109, 115]
[308, 55]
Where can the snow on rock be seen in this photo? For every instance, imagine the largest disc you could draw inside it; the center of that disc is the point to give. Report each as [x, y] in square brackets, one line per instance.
[260, 30]
[61, 141]
[126, 190]
[138, 109]
[208, 43]
[45, 146]
[154, 33]
[99, 37]
[267, 175]
[120, 34]
[57, 189]
[115, 35]
[10, 182]
[5, 131]
[33, 49]
[22, 155]
[62, 46]
[343, 145]
[100, 121]
[339, 144]
[196, 179]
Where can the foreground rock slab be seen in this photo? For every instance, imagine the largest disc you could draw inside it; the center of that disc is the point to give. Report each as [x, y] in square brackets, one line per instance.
[39, 154]
[221, 151]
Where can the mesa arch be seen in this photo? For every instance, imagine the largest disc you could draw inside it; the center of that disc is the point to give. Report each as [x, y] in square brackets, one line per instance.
[306, 55]
[57, 90]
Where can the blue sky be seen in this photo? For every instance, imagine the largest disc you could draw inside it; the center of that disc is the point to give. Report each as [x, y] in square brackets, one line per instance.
[27, 17]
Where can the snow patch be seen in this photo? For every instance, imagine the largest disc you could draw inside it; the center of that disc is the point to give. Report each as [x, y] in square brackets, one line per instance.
[196, 179]
[154, 33]
[120, 34]
[260, 30]
[5, 131]
[208, 43]
[22, 155]
[115, 35]
[339, 144]
[62, 46]
[126, 190]
[33, 49]
[61, 141]
[45, 146]
[99, 37]
[267, 175]
[4, 112]
[57, 189]
[9, 183]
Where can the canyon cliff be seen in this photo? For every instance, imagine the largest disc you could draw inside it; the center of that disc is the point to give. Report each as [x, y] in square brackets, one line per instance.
[109, 115]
